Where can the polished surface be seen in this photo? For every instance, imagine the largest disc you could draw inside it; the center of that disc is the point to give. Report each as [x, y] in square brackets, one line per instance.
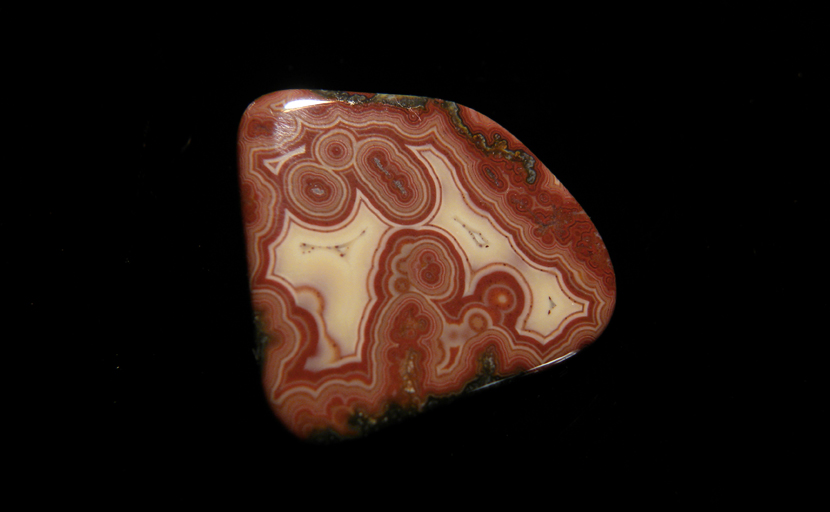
[403, 250]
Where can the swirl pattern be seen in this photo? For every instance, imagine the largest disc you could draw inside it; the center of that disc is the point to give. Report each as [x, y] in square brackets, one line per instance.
[402, 250]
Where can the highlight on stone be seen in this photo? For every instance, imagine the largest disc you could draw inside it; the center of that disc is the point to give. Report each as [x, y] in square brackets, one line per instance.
[405, 250]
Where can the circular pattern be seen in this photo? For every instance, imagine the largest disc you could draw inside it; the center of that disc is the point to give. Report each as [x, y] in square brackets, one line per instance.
[500, 297]
[316, 193]
[394, 181]
[335, 150]
[477, 322]
[424, 264]
[428, 270]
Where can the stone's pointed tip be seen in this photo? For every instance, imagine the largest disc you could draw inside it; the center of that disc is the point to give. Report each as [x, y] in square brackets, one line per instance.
[403, 250]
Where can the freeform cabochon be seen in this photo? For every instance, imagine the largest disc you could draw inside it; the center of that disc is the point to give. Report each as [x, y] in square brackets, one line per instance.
[403, 250]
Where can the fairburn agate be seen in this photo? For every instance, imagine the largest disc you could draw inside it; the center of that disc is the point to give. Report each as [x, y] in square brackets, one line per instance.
[402, 251]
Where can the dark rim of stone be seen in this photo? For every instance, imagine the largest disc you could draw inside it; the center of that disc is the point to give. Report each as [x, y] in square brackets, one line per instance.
[499, 146]
[394, 413]
[394, 100]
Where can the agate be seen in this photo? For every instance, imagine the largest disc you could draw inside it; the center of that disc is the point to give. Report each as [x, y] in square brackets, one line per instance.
[403, 251]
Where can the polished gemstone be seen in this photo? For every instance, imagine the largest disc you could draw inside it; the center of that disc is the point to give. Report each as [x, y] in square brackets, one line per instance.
[404, 250]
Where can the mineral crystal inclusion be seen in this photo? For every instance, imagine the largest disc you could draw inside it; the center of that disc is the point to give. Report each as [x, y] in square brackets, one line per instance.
[403, 250]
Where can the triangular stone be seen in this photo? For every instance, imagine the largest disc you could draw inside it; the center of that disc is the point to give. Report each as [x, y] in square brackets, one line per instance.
[403, 250]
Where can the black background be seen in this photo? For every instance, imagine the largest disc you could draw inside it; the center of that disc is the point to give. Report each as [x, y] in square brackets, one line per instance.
[697, 148]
